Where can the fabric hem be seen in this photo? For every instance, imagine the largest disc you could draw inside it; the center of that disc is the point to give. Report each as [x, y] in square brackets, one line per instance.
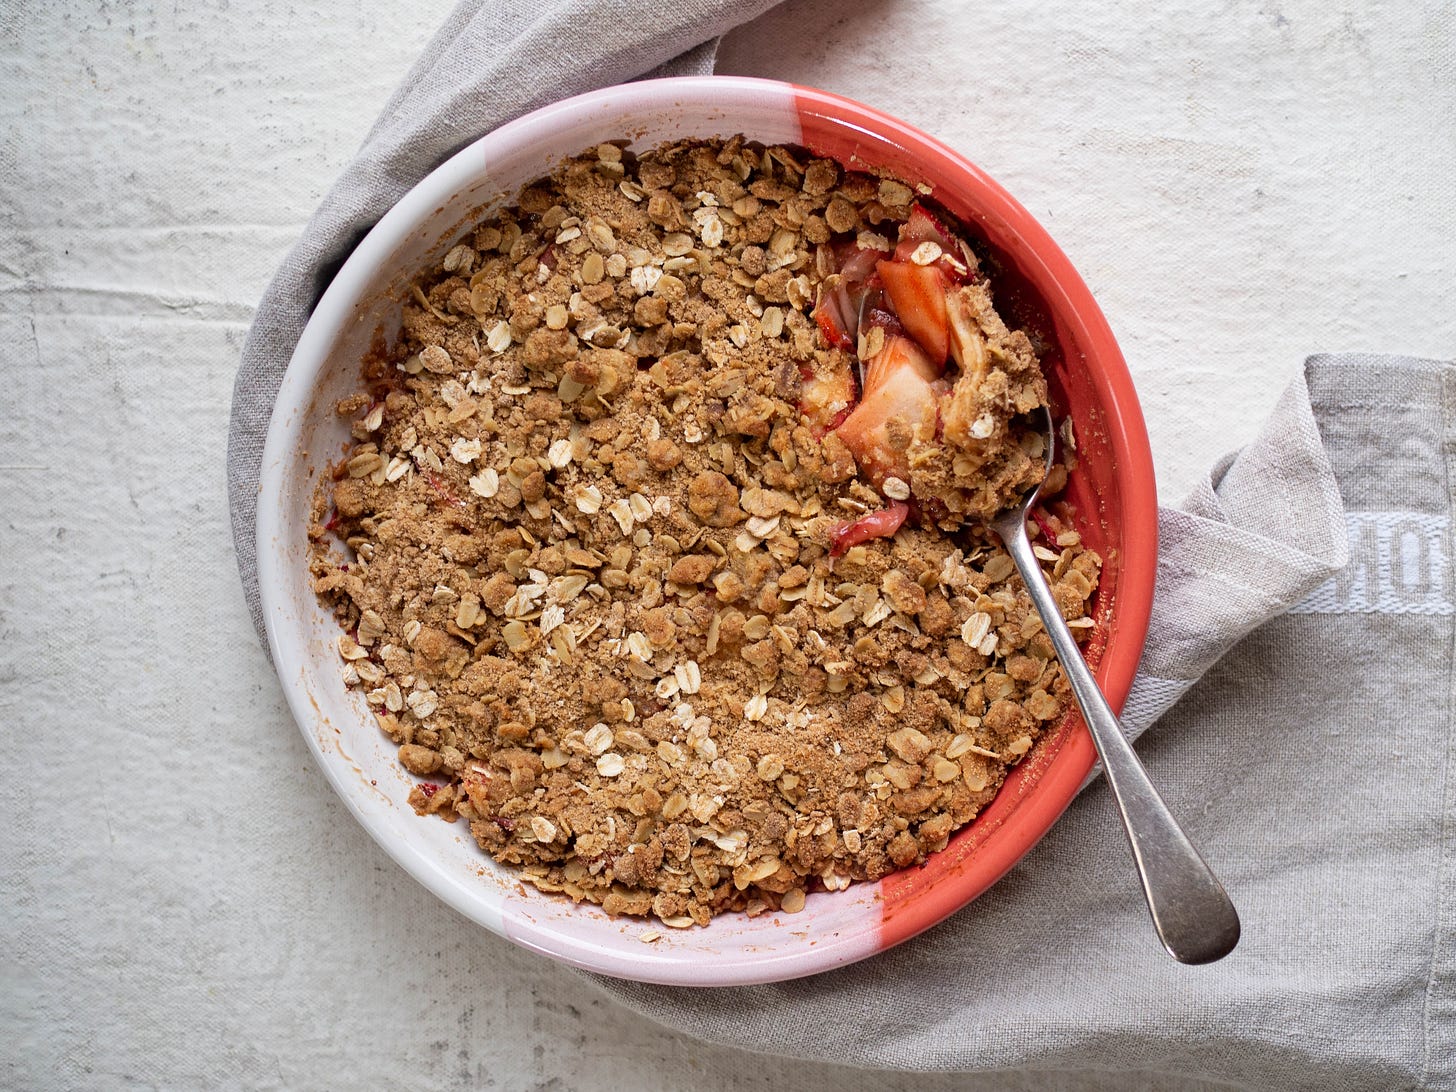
[1438, 1065]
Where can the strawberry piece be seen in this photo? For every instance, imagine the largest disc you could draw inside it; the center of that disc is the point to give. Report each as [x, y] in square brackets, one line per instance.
[834, 315]
[437, 483]
[838, 307]
[953, 264]
[857, 264]
[1047, 523]
[881, 524]
[967, 343]
[877, 316]
[899, 399]
[924, 226]
[917, 293]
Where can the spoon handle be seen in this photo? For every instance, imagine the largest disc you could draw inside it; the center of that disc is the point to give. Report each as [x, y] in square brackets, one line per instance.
[1192, 913]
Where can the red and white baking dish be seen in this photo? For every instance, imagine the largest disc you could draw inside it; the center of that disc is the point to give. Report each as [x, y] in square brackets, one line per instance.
[1112, 488]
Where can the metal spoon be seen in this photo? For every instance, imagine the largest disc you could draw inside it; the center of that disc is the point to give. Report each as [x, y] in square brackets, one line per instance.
[1191, 911]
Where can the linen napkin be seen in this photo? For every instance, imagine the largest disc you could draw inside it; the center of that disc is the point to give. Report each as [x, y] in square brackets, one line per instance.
[1309, 762]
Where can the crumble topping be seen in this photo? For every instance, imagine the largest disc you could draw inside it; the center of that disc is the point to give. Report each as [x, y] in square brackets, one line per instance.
[678, 604]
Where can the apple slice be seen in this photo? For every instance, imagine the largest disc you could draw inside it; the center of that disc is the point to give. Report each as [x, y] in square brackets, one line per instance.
[917, 293]
[900, 393]
[827, 391]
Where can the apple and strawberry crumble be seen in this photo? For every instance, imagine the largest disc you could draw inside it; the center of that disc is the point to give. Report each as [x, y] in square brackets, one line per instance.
[662, 560]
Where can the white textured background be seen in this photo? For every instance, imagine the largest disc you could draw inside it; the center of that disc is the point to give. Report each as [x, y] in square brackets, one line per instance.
[181, 900]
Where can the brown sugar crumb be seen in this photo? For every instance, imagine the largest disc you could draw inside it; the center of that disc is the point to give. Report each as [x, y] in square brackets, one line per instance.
[664, 573]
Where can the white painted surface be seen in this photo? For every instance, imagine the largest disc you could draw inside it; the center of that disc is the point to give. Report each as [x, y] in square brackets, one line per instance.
[181, 899]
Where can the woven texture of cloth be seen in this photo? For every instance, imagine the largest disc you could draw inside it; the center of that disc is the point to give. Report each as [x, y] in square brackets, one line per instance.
[1302, 703]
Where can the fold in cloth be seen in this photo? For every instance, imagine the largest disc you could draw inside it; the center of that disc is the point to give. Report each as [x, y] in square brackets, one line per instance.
[1306, 749]
[1262, 529]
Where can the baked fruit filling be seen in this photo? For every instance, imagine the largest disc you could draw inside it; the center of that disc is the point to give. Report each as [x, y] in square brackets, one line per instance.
[656, 548]
[926, 390]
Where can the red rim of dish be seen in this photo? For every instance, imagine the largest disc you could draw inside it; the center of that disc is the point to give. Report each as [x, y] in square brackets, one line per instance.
[979, 855]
